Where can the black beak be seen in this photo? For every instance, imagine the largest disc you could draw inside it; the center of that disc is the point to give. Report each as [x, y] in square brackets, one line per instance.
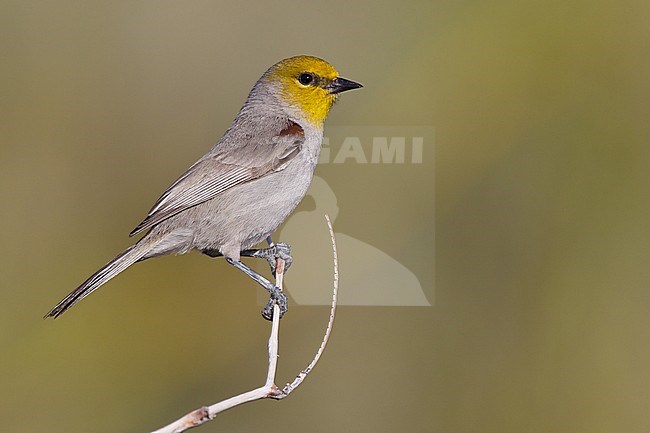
[339, 85]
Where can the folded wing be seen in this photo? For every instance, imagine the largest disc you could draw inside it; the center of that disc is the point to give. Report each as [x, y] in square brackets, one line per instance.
[217, 172]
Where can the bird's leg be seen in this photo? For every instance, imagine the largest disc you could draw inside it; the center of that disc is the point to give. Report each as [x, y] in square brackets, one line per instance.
[272, 254]
[276, 294]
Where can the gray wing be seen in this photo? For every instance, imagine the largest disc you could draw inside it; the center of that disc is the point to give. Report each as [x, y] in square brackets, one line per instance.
[217, 172]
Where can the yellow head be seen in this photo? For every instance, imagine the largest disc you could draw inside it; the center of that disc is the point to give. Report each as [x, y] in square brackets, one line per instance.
[309, 84]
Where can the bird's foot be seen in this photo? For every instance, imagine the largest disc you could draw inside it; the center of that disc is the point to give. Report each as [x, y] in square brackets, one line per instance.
[272, 254]
[277, 297]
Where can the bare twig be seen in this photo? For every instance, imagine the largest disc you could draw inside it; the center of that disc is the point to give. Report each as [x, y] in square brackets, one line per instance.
[335, 291]
[269, 389]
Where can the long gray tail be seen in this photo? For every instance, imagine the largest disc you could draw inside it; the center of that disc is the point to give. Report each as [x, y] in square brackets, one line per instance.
[114, 267]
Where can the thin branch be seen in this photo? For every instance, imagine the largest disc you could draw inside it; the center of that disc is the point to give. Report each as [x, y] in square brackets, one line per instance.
[269, 390]
[335, 291]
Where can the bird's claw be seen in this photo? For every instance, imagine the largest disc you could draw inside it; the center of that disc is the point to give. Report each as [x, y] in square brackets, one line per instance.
[275, 252]
[277, 297]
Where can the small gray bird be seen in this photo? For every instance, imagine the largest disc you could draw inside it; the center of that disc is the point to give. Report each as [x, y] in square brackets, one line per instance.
[237, 194]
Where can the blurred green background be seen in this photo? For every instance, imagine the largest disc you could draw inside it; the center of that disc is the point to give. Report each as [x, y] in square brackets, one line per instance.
[540, 304]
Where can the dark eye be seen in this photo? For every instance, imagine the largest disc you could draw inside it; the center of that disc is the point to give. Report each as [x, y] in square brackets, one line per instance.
[306, 78]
